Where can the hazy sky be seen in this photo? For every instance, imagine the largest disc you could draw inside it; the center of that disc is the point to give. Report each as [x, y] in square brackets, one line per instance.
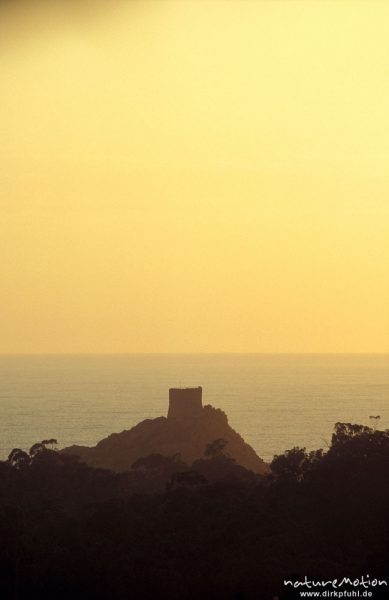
[194, 176]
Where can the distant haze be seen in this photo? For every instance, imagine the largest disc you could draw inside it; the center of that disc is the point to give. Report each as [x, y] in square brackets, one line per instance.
[194, 176]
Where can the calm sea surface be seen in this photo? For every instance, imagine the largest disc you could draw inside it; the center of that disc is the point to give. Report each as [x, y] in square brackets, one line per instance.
[274, 401]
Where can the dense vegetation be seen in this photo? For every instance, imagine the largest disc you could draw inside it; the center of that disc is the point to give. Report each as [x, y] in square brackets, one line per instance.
[211, 530]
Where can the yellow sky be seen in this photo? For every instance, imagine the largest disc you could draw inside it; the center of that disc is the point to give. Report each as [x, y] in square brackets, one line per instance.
[194, 176]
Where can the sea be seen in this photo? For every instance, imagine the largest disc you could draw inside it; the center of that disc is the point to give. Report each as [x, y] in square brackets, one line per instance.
[275, 401]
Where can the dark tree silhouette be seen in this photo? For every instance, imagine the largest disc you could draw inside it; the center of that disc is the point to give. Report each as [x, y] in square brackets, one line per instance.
[18, 458]
[70, 531]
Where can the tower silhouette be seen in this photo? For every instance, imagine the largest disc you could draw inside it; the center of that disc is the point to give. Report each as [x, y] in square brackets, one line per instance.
[185, 403]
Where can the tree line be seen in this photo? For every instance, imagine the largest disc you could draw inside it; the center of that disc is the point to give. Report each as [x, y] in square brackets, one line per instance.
[212, 529]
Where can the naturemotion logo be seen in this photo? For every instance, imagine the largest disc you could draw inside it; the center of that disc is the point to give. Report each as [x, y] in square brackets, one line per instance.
[347, 587]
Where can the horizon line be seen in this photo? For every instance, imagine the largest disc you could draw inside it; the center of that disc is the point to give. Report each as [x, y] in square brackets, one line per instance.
[210, 353]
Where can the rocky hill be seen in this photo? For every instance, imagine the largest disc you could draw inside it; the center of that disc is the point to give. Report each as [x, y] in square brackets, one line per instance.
[187, 436]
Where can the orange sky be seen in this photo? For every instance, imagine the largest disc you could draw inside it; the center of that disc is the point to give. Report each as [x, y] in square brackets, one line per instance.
[194, 176]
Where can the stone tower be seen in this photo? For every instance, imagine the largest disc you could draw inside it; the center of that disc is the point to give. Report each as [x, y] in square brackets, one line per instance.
[185, 403]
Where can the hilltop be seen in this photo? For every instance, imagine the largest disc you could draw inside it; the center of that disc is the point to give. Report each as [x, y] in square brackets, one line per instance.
[186, 433]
